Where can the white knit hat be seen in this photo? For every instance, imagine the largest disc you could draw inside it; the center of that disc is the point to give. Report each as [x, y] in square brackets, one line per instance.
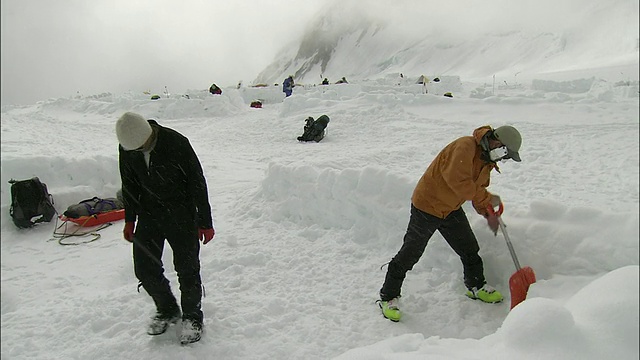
[132, 131]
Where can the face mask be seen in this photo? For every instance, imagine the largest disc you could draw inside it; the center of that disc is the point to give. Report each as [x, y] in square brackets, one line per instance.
[498, 154]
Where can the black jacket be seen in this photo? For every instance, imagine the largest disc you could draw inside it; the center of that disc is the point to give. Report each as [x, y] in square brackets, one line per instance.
[172, 189]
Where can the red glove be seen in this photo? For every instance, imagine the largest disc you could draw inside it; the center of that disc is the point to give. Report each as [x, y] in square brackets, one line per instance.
[128, 231]
[493, 215]
[205, 235]
[494, 224]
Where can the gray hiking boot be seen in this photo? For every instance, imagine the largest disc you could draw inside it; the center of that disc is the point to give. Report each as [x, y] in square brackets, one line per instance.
[160, 322]
[191, 331]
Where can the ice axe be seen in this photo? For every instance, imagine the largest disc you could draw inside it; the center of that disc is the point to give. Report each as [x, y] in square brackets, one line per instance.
[520, 281]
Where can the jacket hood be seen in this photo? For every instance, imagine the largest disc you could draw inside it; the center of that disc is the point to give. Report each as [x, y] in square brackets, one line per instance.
[480, 132]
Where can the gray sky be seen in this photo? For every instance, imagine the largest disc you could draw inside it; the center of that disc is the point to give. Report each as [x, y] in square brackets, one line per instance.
[59, 48]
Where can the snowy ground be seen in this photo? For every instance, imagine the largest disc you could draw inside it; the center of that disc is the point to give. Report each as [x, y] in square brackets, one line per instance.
[302, 229]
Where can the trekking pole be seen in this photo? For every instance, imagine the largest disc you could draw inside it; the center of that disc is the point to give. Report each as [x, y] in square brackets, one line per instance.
[137, 243]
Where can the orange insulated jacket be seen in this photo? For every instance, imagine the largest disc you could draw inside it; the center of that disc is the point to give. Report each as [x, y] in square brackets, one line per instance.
[456, 175]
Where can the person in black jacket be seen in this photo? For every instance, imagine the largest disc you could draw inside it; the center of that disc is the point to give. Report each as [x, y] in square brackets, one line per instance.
[215, 90]
[165, 198]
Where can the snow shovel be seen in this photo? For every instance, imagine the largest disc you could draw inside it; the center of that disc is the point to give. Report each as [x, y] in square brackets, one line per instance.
[520, 281]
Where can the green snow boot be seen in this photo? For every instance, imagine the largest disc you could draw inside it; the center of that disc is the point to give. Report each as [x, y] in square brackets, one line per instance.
[486, 294]
[390, 309]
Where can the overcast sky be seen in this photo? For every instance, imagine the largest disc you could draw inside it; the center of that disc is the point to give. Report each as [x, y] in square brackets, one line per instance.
[59, 48]
[62, 48]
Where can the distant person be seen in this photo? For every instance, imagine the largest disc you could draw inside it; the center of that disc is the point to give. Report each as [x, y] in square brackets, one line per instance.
[459, 173]
[325, 81]
[287, 86]
[342, 81]
[165, 198]
[215, 90]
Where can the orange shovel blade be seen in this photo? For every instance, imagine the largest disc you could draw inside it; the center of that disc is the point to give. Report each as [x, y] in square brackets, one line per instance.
[519, 284]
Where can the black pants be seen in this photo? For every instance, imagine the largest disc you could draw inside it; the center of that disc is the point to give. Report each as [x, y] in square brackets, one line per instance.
[149, 242]
[456, 231]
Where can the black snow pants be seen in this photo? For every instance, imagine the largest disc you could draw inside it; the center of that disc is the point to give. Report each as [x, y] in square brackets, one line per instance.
[182, 236]
[456, 231]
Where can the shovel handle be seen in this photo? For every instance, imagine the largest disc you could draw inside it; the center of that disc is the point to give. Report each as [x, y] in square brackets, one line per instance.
[503, 227]
[492, 211]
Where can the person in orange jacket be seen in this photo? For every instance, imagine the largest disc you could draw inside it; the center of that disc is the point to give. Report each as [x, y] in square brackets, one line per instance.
[459, 173]
[165, 198]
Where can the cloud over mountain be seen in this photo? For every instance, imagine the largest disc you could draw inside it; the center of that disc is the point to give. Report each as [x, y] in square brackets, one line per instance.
[470, 39]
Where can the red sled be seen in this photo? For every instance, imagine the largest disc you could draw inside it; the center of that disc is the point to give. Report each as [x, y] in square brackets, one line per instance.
[96, 219]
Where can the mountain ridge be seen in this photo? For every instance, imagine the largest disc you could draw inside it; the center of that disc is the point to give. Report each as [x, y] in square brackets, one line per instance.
[359, 44]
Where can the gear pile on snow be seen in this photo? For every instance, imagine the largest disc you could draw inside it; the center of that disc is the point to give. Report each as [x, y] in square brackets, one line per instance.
[314, 130]
[31, 203]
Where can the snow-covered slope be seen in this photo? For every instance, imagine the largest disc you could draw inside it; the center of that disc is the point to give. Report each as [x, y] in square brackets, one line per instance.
[302, 229]
[366, 41]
